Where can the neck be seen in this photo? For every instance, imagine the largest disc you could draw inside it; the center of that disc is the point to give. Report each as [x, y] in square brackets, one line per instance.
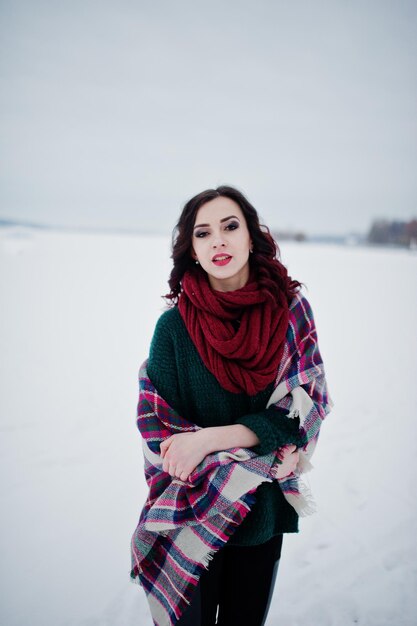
[229, 284]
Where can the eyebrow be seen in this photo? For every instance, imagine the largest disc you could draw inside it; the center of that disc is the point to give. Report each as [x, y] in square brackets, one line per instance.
[221, 221]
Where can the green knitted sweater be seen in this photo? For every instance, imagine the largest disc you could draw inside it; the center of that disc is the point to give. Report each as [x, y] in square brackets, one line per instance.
[180, 376]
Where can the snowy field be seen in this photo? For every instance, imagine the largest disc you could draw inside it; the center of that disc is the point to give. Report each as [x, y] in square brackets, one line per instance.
[78, 312]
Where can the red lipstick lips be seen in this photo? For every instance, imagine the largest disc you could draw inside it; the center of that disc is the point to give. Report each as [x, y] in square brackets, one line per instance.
[221, 259]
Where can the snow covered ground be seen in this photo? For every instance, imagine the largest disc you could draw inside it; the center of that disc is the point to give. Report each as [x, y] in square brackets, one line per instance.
[77, 312]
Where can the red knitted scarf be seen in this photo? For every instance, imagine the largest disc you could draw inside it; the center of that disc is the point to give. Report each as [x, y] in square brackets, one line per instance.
[239, 334]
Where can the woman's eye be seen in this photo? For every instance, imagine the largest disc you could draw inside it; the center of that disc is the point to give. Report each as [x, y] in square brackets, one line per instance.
[201, 234]
[232, 226]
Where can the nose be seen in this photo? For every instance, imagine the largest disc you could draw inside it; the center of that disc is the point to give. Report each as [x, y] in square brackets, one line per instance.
[218, 241]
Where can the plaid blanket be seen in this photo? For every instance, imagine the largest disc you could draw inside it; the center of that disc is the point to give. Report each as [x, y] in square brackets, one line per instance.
[183, 524]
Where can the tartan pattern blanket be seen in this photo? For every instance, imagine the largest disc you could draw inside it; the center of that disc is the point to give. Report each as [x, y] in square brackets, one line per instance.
[183, 524]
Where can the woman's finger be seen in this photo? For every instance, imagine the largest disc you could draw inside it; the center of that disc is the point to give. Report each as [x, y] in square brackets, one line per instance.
[164, 446]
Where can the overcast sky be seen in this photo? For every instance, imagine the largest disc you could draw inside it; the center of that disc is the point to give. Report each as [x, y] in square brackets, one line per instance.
[113, 114]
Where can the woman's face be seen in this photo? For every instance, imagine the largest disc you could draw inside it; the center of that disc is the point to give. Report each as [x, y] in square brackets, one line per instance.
[221, 243]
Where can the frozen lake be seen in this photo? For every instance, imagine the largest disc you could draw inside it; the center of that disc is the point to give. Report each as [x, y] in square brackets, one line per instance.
[78, 313]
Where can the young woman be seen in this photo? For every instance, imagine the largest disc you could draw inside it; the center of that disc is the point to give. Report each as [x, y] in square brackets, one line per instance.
[236, 327]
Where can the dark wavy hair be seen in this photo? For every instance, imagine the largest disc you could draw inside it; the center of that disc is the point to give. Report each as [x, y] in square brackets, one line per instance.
[270, 272]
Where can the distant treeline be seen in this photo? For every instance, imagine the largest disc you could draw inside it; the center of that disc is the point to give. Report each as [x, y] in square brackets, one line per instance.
[289, 235]
[394, 232]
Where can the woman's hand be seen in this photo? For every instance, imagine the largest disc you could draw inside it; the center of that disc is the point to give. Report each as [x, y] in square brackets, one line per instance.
[182, 453]
[289, 457]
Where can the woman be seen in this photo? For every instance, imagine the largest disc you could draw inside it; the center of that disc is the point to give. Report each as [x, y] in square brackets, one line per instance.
[228, 362]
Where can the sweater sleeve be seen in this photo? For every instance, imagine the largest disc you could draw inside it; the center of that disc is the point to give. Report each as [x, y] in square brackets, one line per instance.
[162, 366]
[273, 429]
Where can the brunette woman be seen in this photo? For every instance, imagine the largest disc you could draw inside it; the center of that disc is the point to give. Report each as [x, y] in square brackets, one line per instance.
[215, 358]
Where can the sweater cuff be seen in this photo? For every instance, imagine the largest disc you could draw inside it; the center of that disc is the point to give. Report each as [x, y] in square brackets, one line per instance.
[273, 429]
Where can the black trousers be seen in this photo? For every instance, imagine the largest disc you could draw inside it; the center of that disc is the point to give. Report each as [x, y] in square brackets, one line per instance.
[239, 584]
